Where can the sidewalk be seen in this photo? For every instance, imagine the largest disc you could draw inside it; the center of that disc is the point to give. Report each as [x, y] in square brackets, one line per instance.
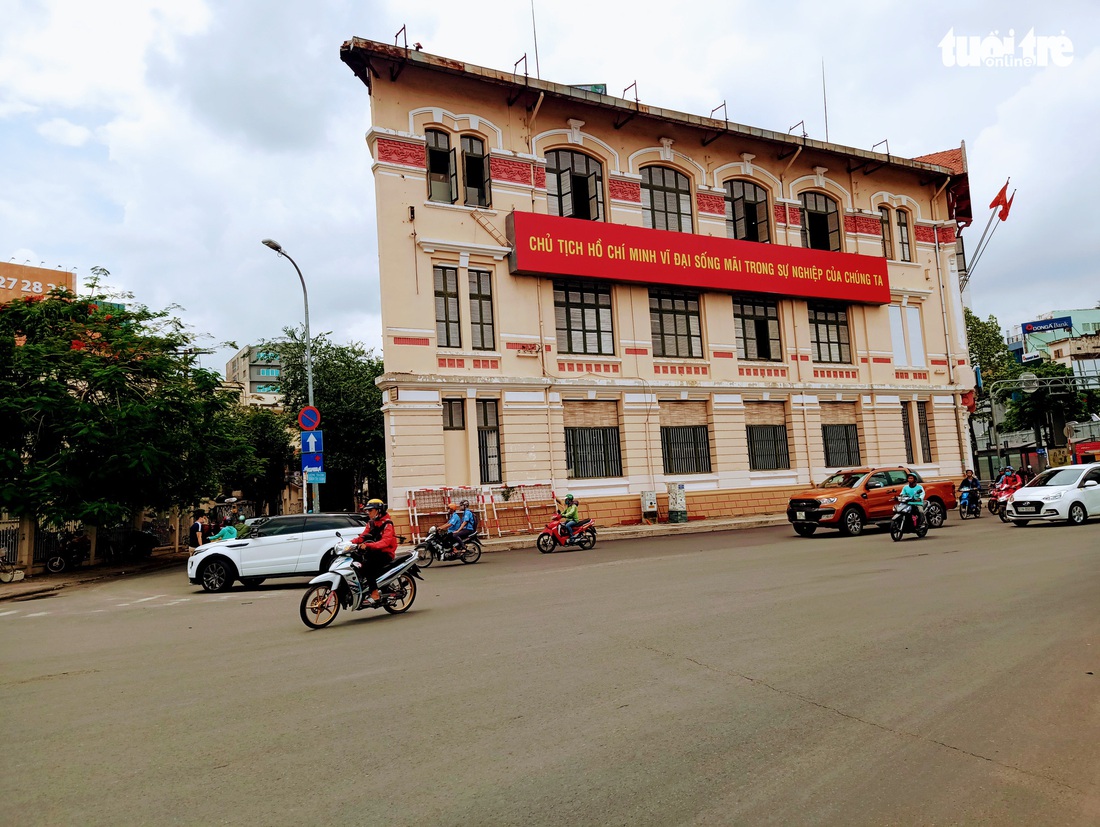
[44, 584]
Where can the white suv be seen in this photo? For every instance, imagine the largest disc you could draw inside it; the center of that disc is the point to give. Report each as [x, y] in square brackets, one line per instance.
[293, 545]
[1070, 492]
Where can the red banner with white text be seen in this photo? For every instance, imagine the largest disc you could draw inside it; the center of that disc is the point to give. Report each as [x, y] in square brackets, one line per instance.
[545, 245]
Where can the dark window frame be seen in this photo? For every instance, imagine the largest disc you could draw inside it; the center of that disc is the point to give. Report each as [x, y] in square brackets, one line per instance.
[482, 331]
[907, 433]
[442, 167]
[563, 181]
[656, 195]
[488, 441]
[454, 414]
[821, 228]
[841, 443]
[664, 321]
[925, 431]
[593, 452]
[475, 165]
[837, 341]
[744, 215]
[905, 249]
[887, 232]
[572, 299]
[767, 452]
[450, 320]
[685, 449]
[762, 317]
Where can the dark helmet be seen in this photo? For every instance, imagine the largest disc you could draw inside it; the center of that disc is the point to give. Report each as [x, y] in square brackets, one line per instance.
[464, 504]
[376, 504]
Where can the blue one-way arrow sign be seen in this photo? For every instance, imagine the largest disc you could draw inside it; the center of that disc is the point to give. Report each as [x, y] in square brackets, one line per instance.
[312, 442]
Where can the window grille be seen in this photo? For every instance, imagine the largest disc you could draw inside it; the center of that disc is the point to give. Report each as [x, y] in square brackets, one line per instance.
[841, 445]
[593, 452]
[907, 433]
[925, 435]
[488, 441]
[686, 449]
[768, 447]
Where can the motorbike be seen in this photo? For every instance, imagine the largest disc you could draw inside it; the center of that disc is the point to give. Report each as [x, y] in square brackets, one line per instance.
[998, 499]
[340, 587]
[907, 519]
[433, 548]
[970, 503]
[554, 535]
[73, 550]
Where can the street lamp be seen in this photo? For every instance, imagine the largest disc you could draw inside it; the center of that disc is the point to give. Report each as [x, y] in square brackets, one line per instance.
[274, 245]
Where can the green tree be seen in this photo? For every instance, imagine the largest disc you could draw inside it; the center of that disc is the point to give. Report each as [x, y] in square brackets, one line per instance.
[261, 476]
[103, 411]
[351, 412]
[1044, 407]
[989, 352]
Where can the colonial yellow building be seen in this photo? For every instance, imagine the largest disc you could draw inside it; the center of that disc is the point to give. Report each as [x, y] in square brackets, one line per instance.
[587, 294]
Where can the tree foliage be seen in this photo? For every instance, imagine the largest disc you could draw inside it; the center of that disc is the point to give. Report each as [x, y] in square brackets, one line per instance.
[261, 475]
[351, 415]
[103, 411]
[1048, 407]
[989, 352]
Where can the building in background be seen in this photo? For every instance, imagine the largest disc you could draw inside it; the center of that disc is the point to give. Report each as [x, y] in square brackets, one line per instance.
[19, 281]
[1031, 341]
[258, 374]
[584, 293]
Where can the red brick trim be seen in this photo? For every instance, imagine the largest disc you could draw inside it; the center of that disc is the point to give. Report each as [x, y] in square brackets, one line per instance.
[794, 216]
[411, 340]
[881, 360]
[452, 363]
[722, 354]
[505, 169]
[942, 362]
[625, 190]
[401, 152]
[681, 370]
[751, 371]
[864, 224]
[820, 373]
[637, 351]
[780, 214]
[540, 179]
[710, 203]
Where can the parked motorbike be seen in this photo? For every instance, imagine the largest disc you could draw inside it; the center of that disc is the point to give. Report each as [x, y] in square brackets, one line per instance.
[554, 535]
[73, 550]
[340, 587]
[128, 546]
[907, 519]
[434, 547]
[970, 503]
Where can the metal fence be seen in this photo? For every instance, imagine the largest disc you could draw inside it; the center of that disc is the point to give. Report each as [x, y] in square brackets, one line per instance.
[9, 540]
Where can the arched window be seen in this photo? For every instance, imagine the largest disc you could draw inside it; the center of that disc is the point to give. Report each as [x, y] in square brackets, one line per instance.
[666, 199]
[747, 211]
[905, 252]
[442, 169]
[887, 233]
[820, 222]
[475, 172]
[574, 185]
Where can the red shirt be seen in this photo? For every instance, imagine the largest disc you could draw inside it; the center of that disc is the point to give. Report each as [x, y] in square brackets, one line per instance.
[387, 542]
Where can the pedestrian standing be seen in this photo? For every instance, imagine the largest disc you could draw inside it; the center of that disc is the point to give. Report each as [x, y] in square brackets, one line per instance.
[195, 533]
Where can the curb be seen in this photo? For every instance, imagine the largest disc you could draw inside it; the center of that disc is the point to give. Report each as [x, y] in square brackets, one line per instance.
[53, 584]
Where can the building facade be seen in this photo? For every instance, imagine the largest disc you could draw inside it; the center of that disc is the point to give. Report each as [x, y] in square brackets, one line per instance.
[1035, 340]
[583, 292]
[257, 373]
[19, 281]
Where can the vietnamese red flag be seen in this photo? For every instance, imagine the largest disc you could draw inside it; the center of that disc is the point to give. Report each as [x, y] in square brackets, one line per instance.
[1001, 200]
[1007, 206]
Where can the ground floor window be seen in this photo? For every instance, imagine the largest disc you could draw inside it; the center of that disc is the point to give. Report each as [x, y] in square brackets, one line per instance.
[686, 449]
[768, 449]
[925, 434]
[488, 441]
[593, 452]
[907, 433]
[841, 445]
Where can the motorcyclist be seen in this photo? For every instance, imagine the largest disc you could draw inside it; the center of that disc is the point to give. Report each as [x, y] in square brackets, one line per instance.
[466, 524]
[1011, 479]
[449, 528]
[971, 483]
[376, 546]
[569, 514]
[913, 493]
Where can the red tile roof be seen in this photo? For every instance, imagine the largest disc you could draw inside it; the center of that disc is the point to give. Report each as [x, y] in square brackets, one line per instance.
[951, 158]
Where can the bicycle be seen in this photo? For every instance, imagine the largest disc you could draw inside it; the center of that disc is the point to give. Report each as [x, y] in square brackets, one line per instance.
[9, 572]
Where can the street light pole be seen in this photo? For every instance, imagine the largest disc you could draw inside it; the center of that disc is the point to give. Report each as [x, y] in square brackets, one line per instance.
[274, 245]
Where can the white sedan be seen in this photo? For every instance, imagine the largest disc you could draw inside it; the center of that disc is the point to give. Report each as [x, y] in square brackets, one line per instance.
[1070, 493]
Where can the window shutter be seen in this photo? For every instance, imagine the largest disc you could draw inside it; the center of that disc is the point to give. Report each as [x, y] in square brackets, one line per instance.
[454, 176]
[486, 183]
[674, 414]
[594, 196]
[590, 414]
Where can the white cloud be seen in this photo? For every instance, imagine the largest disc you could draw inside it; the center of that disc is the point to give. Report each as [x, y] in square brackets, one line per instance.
[61, 131]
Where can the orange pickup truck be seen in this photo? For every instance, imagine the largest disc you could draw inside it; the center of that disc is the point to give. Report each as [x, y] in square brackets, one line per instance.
[849, 500]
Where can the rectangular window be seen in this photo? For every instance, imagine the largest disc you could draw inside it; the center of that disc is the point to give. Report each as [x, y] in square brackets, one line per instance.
[686, 449]
[916, 337]
[481, 310]
[454, 414]
[488, 441]
[267, 389]
[674, 322]
[829, 333]
[904, 253]
[446, 307]
[887, 238]
[269, 371]
[897, 336]
[757, 325]
[960, 255]
[475, 169]
[925, 435]
[593, 452]
[768, 447]
[907, 433]
[582, 315]
[841, 445]
[442, 169]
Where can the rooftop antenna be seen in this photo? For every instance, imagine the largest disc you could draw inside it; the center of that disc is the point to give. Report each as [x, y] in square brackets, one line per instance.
[801, 123]
[825, 100]
[880, 143]
[535, 33]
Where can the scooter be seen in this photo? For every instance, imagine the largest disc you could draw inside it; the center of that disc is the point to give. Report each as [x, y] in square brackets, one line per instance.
[554, 535]
[72, 551]
[970, 503]
[340, 587]
[432, 548]
[908, 518]
[998, 499]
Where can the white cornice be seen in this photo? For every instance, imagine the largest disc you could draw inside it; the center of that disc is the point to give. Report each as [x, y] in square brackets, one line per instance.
[431, 245]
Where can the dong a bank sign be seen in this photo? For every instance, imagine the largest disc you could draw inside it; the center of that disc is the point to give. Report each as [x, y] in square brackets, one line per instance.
[545, 245]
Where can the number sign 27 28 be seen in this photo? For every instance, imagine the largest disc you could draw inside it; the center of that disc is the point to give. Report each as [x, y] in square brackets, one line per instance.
[27, 285]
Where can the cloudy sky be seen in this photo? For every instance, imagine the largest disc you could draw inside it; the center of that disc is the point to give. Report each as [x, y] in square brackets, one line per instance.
[163, 139]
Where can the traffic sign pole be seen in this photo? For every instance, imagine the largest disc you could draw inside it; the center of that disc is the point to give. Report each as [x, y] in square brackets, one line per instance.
[309, 418]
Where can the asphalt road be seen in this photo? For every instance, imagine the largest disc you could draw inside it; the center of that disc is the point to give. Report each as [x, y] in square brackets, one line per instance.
[747, 677]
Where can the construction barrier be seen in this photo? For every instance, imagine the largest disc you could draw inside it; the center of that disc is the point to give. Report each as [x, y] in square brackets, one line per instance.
[519, 509]
[428, 507]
